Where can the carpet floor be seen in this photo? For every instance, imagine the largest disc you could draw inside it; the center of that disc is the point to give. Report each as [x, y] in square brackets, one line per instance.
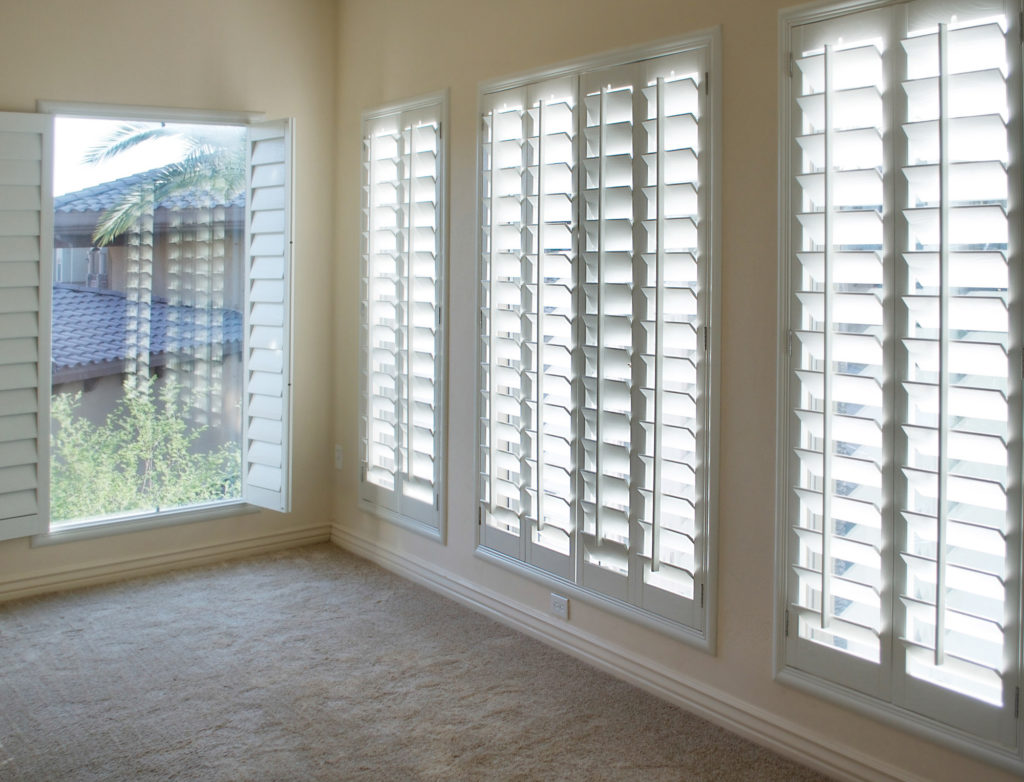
[313, 664]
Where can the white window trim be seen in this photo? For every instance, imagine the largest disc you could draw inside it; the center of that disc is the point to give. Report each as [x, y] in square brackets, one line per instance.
[705, 638]
[93, 528]
[439, 101]
[840, 695]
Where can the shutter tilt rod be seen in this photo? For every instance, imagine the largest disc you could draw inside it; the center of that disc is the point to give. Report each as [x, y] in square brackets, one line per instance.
[942, 504]
[826, 414]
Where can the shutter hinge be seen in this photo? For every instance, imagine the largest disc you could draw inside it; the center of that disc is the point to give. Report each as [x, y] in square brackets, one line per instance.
[1016, 704]
[787, 623]
[791, 65]
[1020, 25]
[479, 515]
[481, 319]
[707, 82]
[439, 315]
[789, 343]
[705, 330]
[437, 501]
[701, 595]
[362, 472]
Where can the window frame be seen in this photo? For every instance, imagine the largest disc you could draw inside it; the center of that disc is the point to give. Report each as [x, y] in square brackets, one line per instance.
[370, 498]
[886, 711]
[41, 532]
[709, 39]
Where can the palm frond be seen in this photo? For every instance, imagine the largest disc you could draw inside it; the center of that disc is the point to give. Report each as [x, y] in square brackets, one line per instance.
[125, 137]
[137, 202]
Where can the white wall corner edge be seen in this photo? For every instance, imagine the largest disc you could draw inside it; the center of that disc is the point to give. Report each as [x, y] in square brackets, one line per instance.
[758, 725]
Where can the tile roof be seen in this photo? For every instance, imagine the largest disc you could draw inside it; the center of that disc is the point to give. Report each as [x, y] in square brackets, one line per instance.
[90, 326]
[103, 196]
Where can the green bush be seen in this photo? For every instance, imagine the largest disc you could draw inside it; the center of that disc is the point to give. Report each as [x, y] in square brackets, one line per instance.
[141, 459]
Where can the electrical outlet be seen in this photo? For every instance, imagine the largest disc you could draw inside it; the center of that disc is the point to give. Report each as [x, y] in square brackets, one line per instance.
[337, 456]
[559, 606]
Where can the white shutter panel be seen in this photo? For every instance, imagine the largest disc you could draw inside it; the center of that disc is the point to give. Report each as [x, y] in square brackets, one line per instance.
[954, 497]
[401, 319]
[528, 323]
[26, 247]
[266, 415]
[645, 265]
[904, 402]
[838, 368]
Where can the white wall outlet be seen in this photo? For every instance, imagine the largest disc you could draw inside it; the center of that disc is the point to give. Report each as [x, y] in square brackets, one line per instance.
[560, 606]
[337, 456]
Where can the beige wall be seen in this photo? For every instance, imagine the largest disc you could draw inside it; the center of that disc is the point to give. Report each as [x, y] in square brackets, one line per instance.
[271, 56]
[393, 49]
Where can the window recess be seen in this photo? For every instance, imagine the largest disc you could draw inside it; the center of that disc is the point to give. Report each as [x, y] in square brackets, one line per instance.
[901, 392]
[402, 331]
[596, 275]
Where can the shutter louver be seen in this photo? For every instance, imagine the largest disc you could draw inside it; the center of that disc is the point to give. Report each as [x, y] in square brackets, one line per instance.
[266, 439]
[26, 242]
[904, 505]
[401, 300]
[594, 316]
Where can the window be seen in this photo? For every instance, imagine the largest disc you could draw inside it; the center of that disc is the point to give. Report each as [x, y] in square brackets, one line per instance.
[42, 276]
[402, 336]
[596, 317]
[900, 392]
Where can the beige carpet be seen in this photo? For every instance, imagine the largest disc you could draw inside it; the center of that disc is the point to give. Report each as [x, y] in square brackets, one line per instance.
[312, 664]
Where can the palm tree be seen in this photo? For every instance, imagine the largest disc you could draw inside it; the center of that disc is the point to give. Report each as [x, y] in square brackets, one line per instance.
[213, 164]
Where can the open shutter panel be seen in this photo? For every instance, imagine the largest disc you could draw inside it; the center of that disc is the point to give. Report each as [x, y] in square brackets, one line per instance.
[26, 246]
[401, 339]
[904, 536]
[266, 441]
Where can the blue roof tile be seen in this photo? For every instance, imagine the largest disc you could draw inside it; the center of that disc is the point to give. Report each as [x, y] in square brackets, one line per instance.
[90, 326]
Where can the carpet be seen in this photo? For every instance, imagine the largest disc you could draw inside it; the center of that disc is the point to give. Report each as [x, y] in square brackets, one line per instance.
[313, 664]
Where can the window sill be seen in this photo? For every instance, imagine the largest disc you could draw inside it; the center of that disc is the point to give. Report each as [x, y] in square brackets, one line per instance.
[104, 527]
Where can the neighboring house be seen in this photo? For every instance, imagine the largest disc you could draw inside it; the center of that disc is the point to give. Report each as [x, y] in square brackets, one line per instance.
[169, 306]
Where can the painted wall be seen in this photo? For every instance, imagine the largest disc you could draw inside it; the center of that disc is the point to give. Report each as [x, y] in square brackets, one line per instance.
[394, 49]
[271, 56]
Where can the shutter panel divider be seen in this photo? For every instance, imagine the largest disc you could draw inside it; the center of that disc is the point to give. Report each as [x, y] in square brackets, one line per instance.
[827, 447]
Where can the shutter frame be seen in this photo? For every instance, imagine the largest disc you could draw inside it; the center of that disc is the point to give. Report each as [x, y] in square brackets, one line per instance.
[266, 465]
[405, 122]
[24, 496]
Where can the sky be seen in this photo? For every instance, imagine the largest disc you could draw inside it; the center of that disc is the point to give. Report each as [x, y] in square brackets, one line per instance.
[73, 136]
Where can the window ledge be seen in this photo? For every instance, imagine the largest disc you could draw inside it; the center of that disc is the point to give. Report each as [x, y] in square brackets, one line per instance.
[103, 527]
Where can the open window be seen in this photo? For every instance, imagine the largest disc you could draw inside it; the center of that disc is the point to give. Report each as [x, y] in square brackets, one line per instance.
[167, 306]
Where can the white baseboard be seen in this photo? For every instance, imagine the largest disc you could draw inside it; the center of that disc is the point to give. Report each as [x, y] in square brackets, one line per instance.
[754, 723]
[71, 578]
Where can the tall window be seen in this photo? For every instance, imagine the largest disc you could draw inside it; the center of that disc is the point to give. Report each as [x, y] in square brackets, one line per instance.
[161, 321]
[901, 392]
[596, 312]
[402, 397]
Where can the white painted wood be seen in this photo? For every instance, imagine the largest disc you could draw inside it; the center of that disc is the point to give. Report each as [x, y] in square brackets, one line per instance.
[402, 329]
[266, 414]
[26, 219]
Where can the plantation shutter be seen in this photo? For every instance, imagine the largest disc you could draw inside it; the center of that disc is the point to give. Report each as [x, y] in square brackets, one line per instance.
[26, 242]
[401, 319]
[594, 426]
[905, 537]
[529, 295]
[266, 438]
